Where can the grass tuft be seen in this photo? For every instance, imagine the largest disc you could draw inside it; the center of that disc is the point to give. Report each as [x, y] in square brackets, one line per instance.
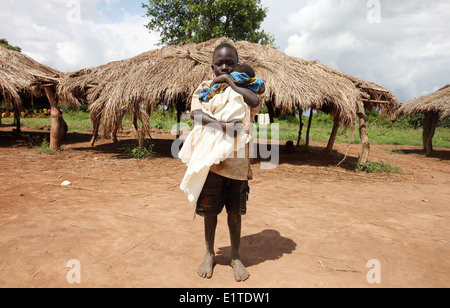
[379, 167]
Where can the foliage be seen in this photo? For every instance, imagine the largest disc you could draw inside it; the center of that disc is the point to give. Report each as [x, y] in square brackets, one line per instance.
[43, 148]
[138, 153]
[198, 21]
[380, 167]
[4, 43]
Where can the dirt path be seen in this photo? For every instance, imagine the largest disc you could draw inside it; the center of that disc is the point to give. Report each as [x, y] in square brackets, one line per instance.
[309, 224]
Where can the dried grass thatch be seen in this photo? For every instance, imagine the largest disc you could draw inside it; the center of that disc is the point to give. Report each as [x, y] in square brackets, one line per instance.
[290, 82]
[437, 102]
[99, 88]
[20, 77]
[170, 76]
[372, 95]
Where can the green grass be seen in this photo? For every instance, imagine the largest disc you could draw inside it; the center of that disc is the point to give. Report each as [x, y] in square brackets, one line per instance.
[406, 131]
[138, 153]
[76, 120]
[379, 167]
[42, 146]
[380, 132]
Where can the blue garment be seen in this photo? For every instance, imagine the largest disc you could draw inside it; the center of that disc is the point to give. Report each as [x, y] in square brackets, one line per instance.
[255, 84]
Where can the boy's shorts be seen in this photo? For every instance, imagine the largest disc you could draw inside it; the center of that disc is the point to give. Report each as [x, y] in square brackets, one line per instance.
[220, 192]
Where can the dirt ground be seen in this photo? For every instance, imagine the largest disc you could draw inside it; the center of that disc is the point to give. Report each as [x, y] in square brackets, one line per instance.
[310, 223]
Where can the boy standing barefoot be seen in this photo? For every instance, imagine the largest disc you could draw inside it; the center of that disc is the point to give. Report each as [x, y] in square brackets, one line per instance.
[227, 183]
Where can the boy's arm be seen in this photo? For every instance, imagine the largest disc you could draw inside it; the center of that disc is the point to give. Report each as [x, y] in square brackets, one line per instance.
[231, 128]
[249, 96]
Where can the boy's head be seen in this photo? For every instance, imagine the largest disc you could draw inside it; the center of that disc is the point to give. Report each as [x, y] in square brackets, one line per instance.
[247, 69]
[225, 59]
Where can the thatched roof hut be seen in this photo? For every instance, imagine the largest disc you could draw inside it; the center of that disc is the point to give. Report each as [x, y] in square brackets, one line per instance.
[173, 73]
[21, 77]
[290, 82]
[438, 102]
[99, 88]
[433, 106]
[170, 76]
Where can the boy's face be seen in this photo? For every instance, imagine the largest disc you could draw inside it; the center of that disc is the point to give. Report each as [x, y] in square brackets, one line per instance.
[224, 62]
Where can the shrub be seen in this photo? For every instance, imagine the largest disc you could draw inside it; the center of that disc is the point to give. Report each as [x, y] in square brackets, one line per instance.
[138, 153]
[380, 167]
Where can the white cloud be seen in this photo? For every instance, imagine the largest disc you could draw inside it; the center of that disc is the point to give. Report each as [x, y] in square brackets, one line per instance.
[408, 51]
[73, 34]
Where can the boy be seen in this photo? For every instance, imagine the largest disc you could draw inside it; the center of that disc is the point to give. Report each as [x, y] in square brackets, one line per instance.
[207, 146]
[227, 183]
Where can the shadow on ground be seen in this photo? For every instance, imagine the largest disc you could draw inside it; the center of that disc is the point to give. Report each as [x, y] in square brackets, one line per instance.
[267, 245]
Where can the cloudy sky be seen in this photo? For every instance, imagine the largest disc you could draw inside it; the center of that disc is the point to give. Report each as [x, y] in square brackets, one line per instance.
[404, 45]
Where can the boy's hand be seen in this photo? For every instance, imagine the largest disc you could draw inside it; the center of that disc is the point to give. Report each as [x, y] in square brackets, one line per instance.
[223, 79]
[250, 97]
[233, 128]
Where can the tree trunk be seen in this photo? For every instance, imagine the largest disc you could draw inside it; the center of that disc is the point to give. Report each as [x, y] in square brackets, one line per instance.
[365, 144]
[58, 128]
[309, 128]
[330, 145]
[429, 129]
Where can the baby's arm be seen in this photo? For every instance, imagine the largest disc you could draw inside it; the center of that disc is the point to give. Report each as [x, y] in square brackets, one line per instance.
[249, 96]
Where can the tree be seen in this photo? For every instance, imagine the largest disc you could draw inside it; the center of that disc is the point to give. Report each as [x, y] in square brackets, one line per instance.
[4, 43]
[196, 21]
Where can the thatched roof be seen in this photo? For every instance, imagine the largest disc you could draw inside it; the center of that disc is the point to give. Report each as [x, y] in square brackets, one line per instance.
[20, 77]
[170, 76]
[373, 95]
[438, 102]
[290, 82]
[99, 88]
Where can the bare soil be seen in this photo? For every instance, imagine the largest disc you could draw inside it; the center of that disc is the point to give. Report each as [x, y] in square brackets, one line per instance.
[310, 223]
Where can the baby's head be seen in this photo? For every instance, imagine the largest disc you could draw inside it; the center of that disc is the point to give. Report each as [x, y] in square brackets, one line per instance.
[247, 69]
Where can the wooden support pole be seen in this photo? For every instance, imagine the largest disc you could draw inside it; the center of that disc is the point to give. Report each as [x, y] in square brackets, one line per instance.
[134, 119]
[58, 126]
[114, 132]
[271, 111]
[429, 129]
[426, 129]
[300, 112]
[334, 132]
[17, 118]
[179, 114]
[96, 123]
[365, 144]
[311, 114]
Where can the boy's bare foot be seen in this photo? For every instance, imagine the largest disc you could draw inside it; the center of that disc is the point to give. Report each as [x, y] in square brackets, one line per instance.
[206, 269]
[240, 272]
